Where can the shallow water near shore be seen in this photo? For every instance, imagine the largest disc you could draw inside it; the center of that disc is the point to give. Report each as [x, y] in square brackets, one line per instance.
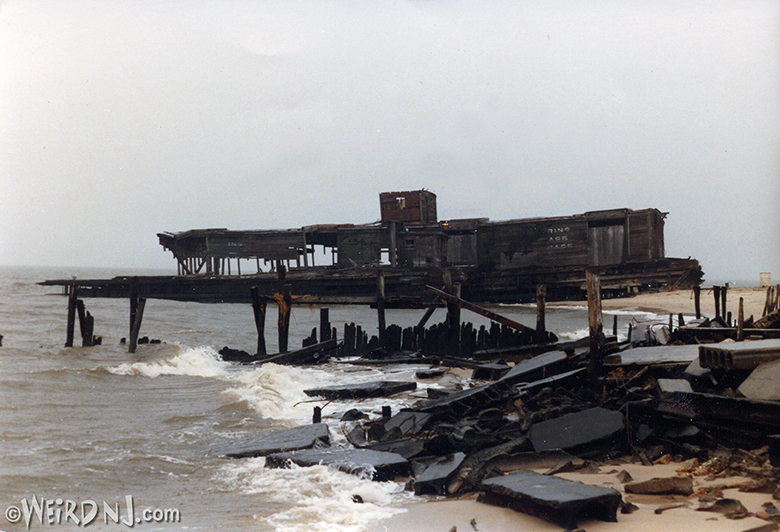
[135, 434]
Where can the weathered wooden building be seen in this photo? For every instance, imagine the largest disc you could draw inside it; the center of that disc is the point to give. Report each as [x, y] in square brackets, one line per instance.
[494, 260]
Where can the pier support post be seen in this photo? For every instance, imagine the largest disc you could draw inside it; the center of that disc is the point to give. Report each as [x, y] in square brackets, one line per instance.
[284, 300]
[595, 322]
[541, 327]
[380, 307]
[741, 320]
[716, 294]
[723, 292]
[697, 301]
[86, 325]
[259, 306]
[324, 325]
[133, 302]
[72, 299]
[139, 316]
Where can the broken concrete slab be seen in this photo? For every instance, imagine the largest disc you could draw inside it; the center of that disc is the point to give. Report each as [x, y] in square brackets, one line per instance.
[490, 372]
[362, 391]
[436, 477]
[378, 465]
[763, 383]
[458, 404]
[560, 501]
[536, 368]
[579, 432]
[303, 437]
[739, 355]
[571, 378]
[673, 386]
[644, 356]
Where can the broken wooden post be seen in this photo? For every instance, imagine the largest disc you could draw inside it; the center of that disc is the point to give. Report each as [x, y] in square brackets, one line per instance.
[723, 292]
[453, 323]
[284, 302]
[259, 306]
[595, 323]
[380, 306]
[317, 415]
[541, 327]
[697, 301]
[716, 294]
[139, 316]
[86, 325]
[614, 325]
[133, 302]
[741, 320]
[324, 325]
[72, 299]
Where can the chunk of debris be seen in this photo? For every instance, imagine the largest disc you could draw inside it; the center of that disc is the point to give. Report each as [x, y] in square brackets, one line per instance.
[378, 465]
[362, 391]
[763, 383]
[579, 431]
[661, 486]
[278, 441]
[536, 368]
[561, 501]
[436, 476]
[729, 507]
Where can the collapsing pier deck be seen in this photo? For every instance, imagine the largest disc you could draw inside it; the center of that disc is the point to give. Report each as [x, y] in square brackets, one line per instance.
[492, 261]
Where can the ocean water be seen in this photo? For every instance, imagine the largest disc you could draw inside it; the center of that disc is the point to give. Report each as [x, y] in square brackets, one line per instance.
[100, 437]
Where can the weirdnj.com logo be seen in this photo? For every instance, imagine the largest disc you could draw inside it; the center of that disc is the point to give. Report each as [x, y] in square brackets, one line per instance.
[60, 511]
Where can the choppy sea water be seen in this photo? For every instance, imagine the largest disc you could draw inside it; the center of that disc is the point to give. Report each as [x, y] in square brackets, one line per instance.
[100, 437]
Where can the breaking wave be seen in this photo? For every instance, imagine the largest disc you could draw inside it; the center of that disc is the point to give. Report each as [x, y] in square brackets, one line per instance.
[317, 498]
[195, 362]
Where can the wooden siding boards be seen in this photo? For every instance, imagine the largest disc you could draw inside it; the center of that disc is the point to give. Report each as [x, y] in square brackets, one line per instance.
[413, 207]
[361, 245]
[532, 243]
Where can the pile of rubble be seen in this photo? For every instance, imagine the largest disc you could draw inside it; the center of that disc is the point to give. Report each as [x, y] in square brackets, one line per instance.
[713, 408]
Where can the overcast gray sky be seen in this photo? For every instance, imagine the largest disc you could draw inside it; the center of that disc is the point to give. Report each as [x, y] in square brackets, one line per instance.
[121, 119]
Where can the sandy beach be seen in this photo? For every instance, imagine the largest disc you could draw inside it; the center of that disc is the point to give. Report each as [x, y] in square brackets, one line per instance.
[682, 301]
[654, 512]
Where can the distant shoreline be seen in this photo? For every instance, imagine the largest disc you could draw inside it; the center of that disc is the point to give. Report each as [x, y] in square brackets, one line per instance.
[682, 301]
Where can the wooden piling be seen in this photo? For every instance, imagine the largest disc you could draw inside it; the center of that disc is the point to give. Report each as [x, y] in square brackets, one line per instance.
[595, 322]
[72, 303]
[697, 301]
[741, 320]
[541, 327]
[723, 291]
[259, 307]
[317, 416]
[614, 325]
[380, 306]
[453, 322]
[139, 316]
[284, 301]
[133, 302]
[324, 325]
[716, 294]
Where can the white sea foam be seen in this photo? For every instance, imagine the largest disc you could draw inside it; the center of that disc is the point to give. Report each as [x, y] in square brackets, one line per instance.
[275, 391]
[196, 362]
[315, 498]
